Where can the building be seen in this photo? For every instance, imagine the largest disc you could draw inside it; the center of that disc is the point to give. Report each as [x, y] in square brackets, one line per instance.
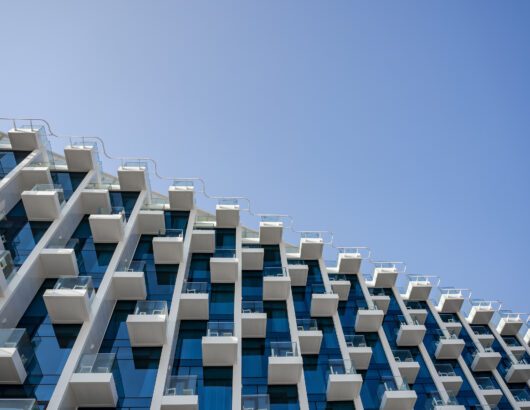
[115, 296]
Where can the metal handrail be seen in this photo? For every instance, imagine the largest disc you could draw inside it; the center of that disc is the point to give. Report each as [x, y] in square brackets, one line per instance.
[193, 180]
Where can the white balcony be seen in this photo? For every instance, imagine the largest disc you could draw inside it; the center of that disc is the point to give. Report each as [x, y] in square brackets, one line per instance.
[369, 319]
[15, 352]
[408, 367]
[485, 361]
[92, 383]
[108, 228]
[181, 196]
[219, 346]
[526, 337]
[311, 245]
[147, 325]
[168, 246]
[385, 274]
[350, 258]
[253, 320]
[451, 324]
[35, 174]
[129, 283]
[451, 300]
[418, 288]
[420, 315]
[410, 334]
[26, 138]
[96, 200]
[227, 214]
[483, 335]
[285, 364]
[70, 299]
[151, 222]
[489, 390]
[396, 395]
[298, 274]
[81, 157]
[181, 393]
[449, 347]
[518, 372]
[203, 241]
[309, 336]
[344, 384]
[451, 381]
[133, 176]
[324, 303]
[340, 285]
[59, 261]
[510, 323]
[224, 269]
[276, 284]
[360, 353]
[480, 315]
[252, 258]
[270, 231]
[382, 302]
[194, 301]
[43, 202]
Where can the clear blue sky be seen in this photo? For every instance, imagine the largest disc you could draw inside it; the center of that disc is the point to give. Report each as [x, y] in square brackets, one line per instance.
[401, 125]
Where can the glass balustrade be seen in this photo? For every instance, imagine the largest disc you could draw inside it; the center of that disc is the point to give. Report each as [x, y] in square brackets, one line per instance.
[219, 329]
[151, 307]
[96, 363]
[181, 385]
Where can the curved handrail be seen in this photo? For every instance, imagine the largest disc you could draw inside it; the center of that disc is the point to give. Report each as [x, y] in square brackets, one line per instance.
[200, 180]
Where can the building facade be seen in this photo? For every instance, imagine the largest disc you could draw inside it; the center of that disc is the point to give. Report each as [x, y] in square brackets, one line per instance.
[115, 296]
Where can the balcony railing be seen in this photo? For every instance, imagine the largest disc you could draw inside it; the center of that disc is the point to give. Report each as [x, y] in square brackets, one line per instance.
[171, 233]
[225, 253]
[340, 366]
[445, 370]
[306, 324]
[398, 267]
[17, 338]
[96, 363]
[133, 266]
[249, 234]
[195, 287]
[255, 402]
[402, 356]
[284, 349]
[251, 306]
[151, 307]
[485, 383]
[218, 329]
[204, 221]
[278, 271]
[389, 383]
[355, 341]
[521, 395]
[320, 289]
[51, 188]
[75, 283]
[481, 330]
[334, 277]
[448, 318]
[182, 385]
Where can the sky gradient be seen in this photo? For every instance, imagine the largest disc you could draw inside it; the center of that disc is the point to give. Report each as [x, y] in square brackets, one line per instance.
[403, 126]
